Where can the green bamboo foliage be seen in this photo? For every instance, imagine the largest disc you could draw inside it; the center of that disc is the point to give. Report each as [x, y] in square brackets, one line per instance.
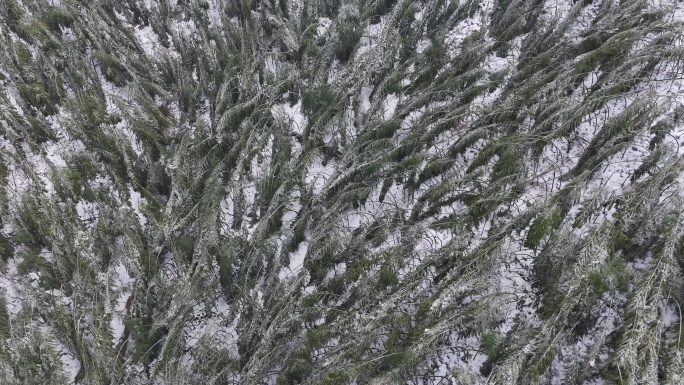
[338, 192]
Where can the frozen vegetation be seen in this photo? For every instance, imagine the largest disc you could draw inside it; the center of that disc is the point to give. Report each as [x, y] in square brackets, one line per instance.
[341, 192]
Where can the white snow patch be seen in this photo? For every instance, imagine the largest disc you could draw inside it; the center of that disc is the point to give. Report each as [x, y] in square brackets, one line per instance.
[212, 327]
[122, 288]
[318, 174]
[582, 22]
[39, 168]
[390, 106]
[106, 183]
[292, 210]
[271, 64]
[249, 192]
[68, 34]
[296, 262]
[9, 283]
[70, 364]
[185, 28]
[148, 39]
[136, 201]
[52, 155]
[12, 96]
[514, 282]
[334, 72]
[460, 32]
[422, 45]
[370, 38]
[126, 130]
[353, 219]
[465, 355]
[556, 10]
[678, 13]
[291, 115]
[87, 211]
[493, 63]
[214, 13]
[323, 26]
[17, 180]
[365, 98]
[432, 240]
[227, 213]
[406, 125]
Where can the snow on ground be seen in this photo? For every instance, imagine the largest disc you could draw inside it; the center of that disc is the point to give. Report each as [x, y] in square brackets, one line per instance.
[323, 26]
[586, 348]
[389, 106]
[334, 72]
[430, 242]
[65, 146]
[513, 279]
[123, 128]
[249, 190]
[317, 174]
[590, 80]
[68, 34]
[136, 202]
[616, 173]
[349, 123]
[472, 361]
[9, 284]
[542, 184]
[365, 98]
[406, 125]
[148, 39]
[214, 13]
[18, 182]
[582, 22]
[494, 64]
[370, 37]
[12, 95]
[678, 13]
[185, 28]
[209, 326]
[296, 262]
[70, 364]
[291, 115]
[88, 212]
[204, 116]
[227, 213]
[480, 234]
[264, 159]
[292, 209]
[122, 289]
[422, 45]
[115, 98]
[440, 146]
[670, 92]
[106, 183]
[39, 168]
[591, 124]
[271, 64]
[460, 32]
[556, 10]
